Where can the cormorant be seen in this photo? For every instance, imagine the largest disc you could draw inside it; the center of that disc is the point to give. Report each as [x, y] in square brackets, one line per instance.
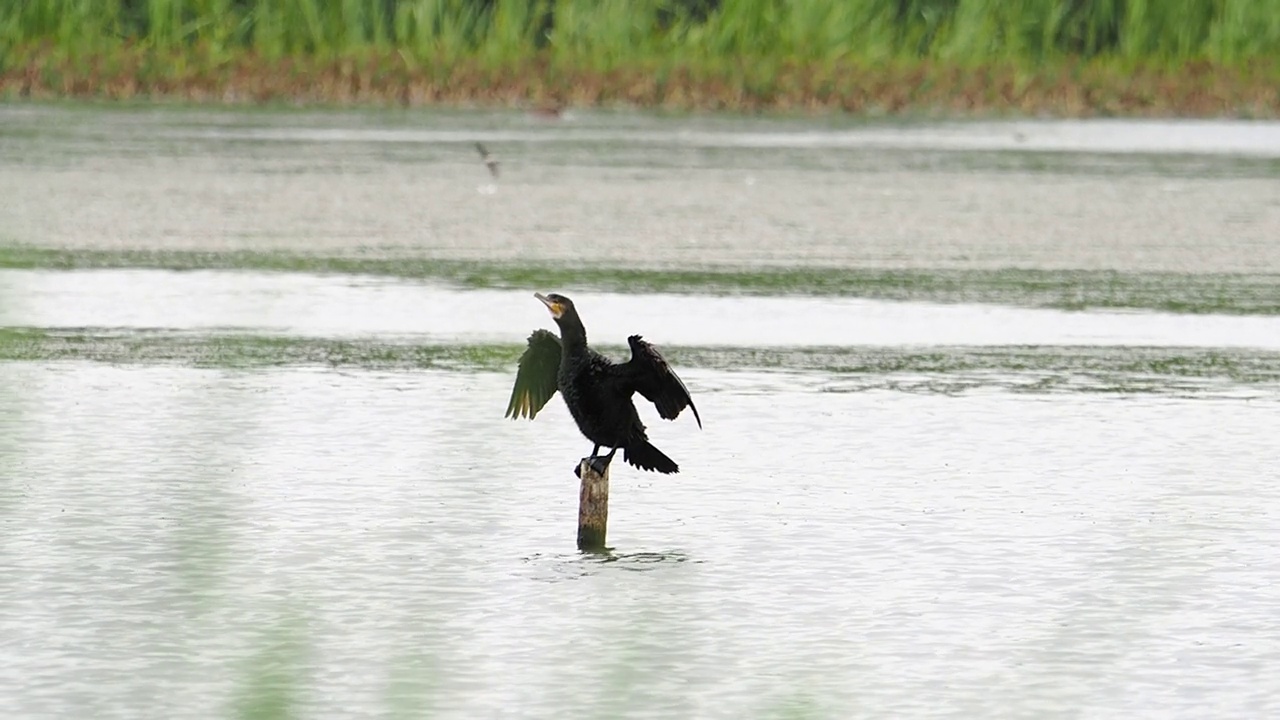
[488, 159]
[597, 390]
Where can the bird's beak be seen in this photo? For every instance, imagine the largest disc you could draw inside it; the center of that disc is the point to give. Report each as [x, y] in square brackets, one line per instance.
[556, 309]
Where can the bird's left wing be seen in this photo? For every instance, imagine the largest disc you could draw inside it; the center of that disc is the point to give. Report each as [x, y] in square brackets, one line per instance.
[648, 373]
[536, 378]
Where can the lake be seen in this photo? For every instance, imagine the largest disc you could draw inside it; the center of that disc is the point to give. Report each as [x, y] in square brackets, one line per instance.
[253, 459]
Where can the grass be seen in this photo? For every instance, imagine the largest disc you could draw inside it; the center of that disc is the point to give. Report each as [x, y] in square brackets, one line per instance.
[1237, 294]
[1104, 56]
[244, 351]
[1034, 369]
[701, 33]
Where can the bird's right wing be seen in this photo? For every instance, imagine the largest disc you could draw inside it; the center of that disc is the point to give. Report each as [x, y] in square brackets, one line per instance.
[536, 378]
[648, 373]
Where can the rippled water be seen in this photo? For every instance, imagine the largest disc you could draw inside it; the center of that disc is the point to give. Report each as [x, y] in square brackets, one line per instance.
[248, 494]
[372, 543]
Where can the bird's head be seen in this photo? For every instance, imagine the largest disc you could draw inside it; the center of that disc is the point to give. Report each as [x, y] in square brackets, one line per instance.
[559, 305]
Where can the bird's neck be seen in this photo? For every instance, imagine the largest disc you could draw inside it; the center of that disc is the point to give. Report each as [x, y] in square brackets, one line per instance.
[572, 333]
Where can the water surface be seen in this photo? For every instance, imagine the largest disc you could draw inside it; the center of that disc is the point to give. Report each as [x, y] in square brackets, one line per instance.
[339, 306]
[628, 190]
[990, 416]
[183, 541]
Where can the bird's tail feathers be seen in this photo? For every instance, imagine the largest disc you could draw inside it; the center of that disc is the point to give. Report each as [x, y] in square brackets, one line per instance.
[647, 457]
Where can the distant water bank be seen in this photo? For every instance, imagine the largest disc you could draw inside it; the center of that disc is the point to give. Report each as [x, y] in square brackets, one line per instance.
[1063, 88]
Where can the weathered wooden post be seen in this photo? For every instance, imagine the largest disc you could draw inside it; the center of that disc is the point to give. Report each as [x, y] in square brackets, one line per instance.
[593, 507]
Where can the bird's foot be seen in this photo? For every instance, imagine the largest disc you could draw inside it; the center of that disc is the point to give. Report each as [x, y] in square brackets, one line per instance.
[600, 464]
[597, 464]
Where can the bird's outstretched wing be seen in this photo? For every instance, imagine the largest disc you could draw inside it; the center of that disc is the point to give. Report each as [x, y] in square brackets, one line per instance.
[648, 373]
[536, 378]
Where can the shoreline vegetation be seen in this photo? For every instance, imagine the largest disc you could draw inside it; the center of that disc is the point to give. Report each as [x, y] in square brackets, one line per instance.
[1106, 57]
[1041, 369]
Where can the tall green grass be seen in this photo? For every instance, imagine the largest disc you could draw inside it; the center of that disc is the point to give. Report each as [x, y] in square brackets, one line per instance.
[605, 34]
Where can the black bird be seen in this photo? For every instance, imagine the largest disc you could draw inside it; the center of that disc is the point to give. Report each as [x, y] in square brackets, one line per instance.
[489, 160]
[597, 390]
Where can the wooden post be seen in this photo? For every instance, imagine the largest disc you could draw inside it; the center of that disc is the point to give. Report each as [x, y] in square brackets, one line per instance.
[593, 507]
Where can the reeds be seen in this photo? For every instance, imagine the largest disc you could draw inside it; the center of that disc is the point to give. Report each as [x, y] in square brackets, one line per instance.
[606, 33]
[732, 53]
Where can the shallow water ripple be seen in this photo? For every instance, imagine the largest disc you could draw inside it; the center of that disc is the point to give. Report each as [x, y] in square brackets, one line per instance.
[181, 542]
